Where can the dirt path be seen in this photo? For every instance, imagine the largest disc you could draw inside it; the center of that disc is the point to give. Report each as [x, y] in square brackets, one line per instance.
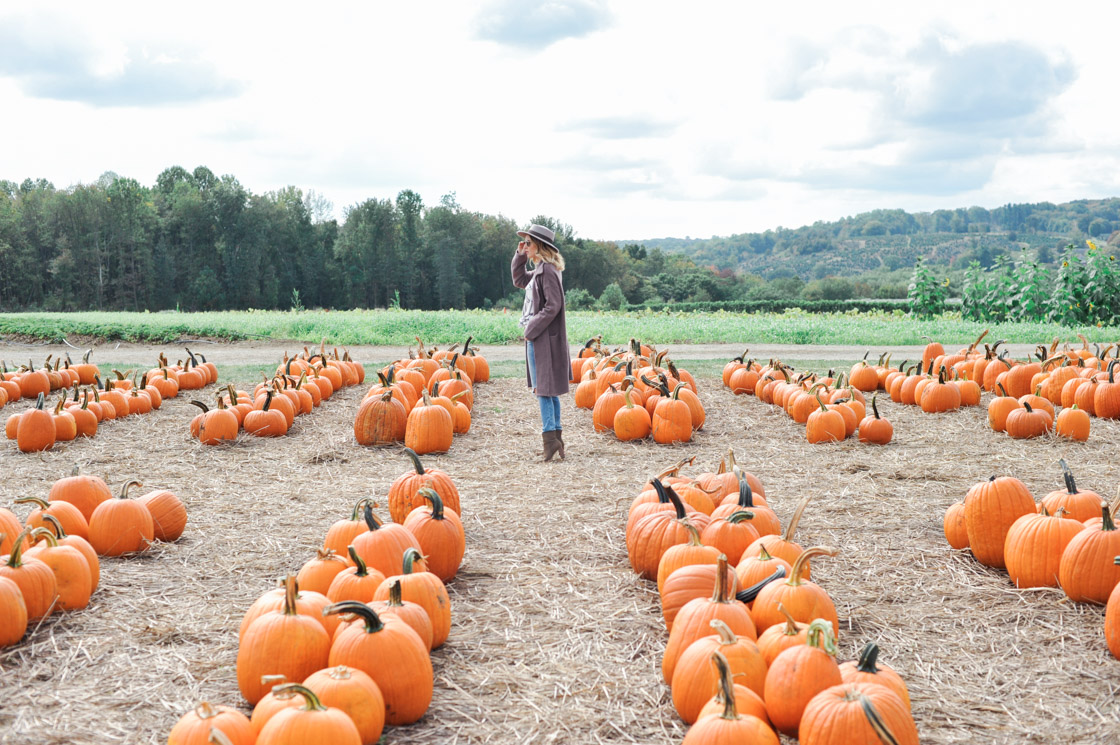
[554, 639]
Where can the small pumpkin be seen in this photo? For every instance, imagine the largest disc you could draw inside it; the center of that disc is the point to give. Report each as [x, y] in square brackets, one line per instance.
[311, 722]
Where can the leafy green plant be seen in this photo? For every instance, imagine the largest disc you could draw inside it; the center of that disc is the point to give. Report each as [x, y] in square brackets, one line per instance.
[926, 293]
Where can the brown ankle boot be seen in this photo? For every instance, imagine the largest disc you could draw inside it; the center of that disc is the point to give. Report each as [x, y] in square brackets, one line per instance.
[551, 444]
[560, 440]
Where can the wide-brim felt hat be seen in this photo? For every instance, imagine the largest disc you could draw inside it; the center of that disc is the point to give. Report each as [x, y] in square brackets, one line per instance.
[541, 233]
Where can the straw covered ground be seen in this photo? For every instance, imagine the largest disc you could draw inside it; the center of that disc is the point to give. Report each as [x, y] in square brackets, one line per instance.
[554, 639]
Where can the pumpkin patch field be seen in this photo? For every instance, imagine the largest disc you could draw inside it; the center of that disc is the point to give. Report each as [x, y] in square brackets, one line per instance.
[554, 636]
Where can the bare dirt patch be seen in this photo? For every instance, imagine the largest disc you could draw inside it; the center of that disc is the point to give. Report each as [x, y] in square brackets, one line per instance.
[553, 637]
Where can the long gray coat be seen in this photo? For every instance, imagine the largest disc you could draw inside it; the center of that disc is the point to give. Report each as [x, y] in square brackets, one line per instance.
[547, 328]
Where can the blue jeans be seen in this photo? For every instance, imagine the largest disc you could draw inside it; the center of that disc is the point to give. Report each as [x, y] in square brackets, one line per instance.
[550, 405]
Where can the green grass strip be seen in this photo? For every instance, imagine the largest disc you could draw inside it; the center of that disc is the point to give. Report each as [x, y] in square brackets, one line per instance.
[400, 328]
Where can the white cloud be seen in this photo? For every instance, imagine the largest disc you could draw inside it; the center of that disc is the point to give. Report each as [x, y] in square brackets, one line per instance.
[624, 118]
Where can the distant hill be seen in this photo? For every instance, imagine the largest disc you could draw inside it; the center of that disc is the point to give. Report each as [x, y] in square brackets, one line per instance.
[886, 240]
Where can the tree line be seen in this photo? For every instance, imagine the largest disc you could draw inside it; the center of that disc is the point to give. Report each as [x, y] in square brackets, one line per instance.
[196, 241]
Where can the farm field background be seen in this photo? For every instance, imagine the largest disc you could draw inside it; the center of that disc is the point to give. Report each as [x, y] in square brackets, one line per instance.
[399, 328]
[553, 637]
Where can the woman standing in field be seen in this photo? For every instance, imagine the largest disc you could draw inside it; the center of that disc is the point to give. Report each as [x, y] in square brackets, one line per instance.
[548, 365]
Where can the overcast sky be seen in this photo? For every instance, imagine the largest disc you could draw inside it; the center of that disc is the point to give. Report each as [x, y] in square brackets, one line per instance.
[625, 119]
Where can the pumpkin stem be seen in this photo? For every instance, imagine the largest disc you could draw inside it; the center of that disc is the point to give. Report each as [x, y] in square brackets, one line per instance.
[821, 637]
[360, 566]
[217, 737]
[726, 692]
[793, 628]
[746, 496]
[311, 702]
[371, 520]
[793, 521]
[373, 622]
[867, 658]
[432, 496]
[128, 485]
[719, 594]
[748, 594]
[799, 564]
[416, 461]
[726, 635]
[411, 556]
[54, 523]
[1106, 517]
[1071, 486]
[874, 407]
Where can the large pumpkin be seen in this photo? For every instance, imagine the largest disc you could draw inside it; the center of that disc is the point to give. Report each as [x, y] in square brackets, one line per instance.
[990, 509]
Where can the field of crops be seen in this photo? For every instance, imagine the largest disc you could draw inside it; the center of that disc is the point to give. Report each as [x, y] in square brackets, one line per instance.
[554, 636]
[399, 328]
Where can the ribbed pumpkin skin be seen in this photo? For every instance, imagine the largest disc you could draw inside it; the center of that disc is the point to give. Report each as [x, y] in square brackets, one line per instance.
[169, 516]
[411, 613]
[13, 613]
[689, 583]
[295, 725]
[1034, 546]
[73, 581]
[355, 693]
[279, 644]
[652, 536]
[380, 421]
[956, 531]
[797, 675]
[442, 541]
[836, 717]
[75, 523]
[404, 492]
[316, 574]
[11, 527]
[884, 675]
[308, 603]
[348, 585]
[193, 728]
[990, 509]
[747, 703]
[1087, 572]
[120, 526]
[383, 549]
[36, 582]
[1112, 622]
[694, 622]
[397, 661]
[695, 679]
[429, 429]
[426, 590]
[716, 730]
[35, 431]
[683, 555]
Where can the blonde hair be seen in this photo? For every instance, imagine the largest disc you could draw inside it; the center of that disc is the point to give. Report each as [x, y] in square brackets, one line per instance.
[549, 254]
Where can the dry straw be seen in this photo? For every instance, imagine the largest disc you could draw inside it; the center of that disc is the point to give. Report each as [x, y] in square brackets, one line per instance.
[554, 640]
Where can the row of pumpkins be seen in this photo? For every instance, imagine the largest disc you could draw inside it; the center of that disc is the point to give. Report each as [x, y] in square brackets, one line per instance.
[422, 401]
[49, 562]
[752, 640]
[299, 385]
[343, 647]
[1068, 540]
[636, 393]
[38, 428]
[831, 408]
